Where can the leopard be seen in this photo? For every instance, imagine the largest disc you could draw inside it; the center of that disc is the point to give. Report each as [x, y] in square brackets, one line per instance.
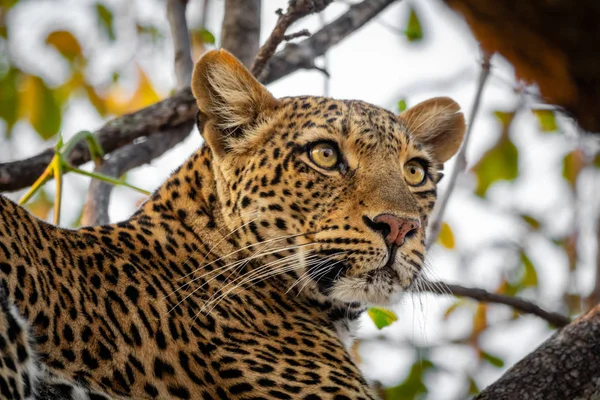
[244, 275]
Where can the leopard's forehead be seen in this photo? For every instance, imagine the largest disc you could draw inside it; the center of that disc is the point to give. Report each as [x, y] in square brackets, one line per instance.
[366, 126]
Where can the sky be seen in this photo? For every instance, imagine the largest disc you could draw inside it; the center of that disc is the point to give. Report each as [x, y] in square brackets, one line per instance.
[378, 65]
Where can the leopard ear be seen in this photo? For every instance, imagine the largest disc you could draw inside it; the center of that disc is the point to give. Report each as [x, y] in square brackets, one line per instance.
[229, 98]
[438, 124]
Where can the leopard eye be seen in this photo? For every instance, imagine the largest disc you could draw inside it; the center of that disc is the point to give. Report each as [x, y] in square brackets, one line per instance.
[414, 173]
[324, 155]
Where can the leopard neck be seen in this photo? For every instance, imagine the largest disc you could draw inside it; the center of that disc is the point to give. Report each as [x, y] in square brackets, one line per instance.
[188, 202]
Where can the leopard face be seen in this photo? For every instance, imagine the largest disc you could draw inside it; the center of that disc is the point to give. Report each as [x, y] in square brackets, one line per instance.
[333, 194]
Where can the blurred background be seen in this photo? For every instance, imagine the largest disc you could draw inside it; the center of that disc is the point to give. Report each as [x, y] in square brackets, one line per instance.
[523, 220]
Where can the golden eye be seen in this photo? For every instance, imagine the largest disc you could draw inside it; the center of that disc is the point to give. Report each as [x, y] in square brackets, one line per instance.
[324, 155]
[414, 173]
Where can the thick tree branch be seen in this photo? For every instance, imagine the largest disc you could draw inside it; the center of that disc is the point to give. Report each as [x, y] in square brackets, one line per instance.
[161, 116]
[240, 32]
[181, 42]
[296, 10]
[302, 55]
[181, 107]
[95, 211]
[484, 296]
[565, 367]
[461, 157]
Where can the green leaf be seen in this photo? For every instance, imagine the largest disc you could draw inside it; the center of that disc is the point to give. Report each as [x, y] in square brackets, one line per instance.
[495, 361]
[207, 37]
[9, 98]
[530, 278]
[546, 120]
[532, 222]
[473, 388]
[401, 105]
[150, 31]
[501, 162]
[106, 20]
[382, 317]
[413, 385]
[413, 32]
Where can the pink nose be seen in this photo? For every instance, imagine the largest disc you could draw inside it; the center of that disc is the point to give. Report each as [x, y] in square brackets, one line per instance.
[398, 227]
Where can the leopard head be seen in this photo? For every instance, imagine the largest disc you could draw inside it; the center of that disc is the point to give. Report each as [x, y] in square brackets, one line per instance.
[333, 194]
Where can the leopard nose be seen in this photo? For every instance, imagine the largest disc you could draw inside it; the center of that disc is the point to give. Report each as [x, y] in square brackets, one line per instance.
[396, 228]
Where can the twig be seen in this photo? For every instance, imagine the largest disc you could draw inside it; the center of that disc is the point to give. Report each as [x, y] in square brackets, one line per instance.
[301, 33]
[240, 30]
[296, 10]
[302, 55]
[95, 211]
[181, 107]
[461, 158]
[181, 41]
[326, 77]
[483, 295]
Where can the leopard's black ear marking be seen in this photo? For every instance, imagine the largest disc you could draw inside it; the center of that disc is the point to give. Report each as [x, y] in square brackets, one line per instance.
[440, 176]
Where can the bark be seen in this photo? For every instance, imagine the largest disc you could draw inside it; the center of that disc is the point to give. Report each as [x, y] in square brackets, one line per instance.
[240, 31]
[565, 367]
[552, 43]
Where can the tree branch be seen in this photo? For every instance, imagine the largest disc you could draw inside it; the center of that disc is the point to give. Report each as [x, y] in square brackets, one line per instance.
[117, 133]
[181, 107]
[461, 157]
[296, 10]
[240, 32]
[302, 55]
[95, 211]
[565, 367]
[484, 296]
[181, 42]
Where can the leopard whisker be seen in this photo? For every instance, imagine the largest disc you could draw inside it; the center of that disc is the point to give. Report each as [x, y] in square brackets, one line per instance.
[252, 245]
[229, 267]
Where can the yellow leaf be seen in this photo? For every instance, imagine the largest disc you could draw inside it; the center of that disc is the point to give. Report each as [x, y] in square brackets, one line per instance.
[40, 105]
[446, 237]
[480, 319]
[98, 102]
[65, 43]
[41, 206]
[117, 101]
[453, 307]
[573, 164]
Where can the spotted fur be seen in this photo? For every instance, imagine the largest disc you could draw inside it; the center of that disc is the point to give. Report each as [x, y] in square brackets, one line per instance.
[241, 274]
